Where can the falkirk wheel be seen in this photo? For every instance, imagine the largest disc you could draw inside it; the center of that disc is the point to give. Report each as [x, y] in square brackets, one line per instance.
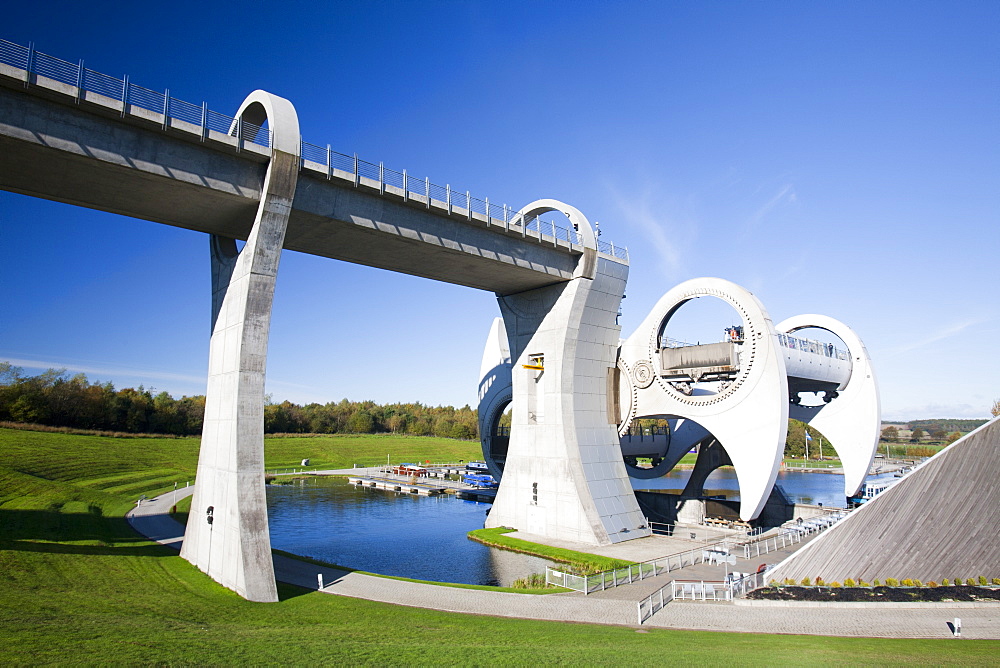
[732, 399]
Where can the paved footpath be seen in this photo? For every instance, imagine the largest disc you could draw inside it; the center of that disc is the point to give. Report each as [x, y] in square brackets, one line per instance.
[981, 620]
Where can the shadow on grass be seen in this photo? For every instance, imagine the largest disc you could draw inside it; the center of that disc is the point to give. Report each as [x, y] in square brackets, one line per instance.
[287, 592]
[73, 533]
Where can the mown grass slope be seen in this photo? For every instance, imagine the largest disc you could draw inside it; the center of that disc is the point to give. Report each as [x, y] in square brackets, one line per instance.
[78, 587]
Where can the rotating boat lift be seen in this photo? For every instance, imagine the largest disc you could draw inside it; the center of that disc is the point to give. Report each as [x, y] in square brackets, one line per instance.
[733, 398]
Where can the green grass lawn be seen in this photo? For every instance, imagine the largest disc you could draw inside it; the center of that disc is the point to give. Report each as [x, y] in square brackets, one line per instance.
[78, 587]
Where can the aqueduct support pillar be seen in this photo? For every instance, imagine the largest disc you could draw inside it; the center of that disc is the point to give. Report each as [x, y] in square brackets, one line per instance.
[227, 531]
[564, 476]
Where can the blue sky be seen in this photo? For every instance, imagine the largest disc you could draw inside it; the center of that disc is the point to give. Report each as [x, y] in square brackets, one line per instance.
[834, 158]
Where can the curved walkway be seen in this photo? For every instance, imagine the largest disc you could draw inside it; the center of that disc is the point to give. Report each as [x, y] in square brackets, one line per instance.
[152, 520]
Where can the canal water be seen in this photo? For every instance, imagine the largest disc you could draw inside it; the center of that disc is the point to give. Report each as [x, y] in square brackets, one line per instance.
[799, 486]
[421, 537]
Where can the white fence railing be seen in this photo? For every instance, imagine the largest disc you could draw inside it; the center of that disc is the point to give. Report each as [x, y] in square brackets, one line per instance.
[132, 97]
[791, 534]
[736, 586]
[712, 553]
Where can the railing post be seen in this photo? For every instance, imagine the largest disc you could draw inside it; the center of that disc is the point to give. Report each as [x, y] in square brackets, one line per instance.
[239, 134]
[427, 190]
[381, 178]
[487, 212]
[204, 121]
[166, 109]
[406, 188]
[357, 172]
[124, 95]
[29, 63]
[468, 204]
[329, 163]
[506, 218]
[447, 193]
[79, 81]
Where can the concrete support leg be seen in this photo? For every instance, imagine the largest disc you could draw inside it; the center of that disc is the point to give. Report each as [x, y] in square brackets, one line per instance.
[564, 476]
[227, 531]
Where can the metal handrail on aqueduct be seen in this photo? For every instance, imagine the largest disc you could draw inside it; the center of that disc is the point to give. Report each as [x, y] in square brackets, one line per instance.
[131, 96]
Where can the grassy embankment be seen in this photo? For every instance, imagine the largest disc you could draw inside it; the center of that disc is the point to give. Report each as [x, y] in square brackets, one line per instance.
[580, 563]
[79, 587]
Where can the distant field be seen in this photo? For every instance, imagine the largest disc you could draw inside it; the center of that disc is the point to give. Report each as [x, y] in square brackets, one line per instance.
[131, 467]
[77, 586]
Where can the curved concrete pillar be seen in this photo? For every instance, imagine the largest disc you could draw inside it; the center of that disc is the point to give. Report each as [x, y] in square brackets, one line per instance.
[227, 531]
[749, 416]
[496, 391]
[851, 420]
[564, 476]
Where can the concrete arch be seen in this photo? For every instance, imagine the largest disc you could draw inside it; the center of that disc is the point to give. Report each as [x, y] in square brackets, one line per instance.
[261, 107]
[227, 531]
[588, 236]
[851, 421]
[495, 394]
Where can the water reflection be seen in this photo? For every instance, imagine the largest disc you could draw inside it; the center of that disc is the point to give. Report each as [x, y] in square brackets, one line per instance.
[393, 534]
[799, 486]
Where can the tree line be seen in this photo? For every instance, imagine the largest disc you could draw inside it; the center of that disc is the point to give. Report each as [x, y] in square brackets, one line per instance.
[56, 398]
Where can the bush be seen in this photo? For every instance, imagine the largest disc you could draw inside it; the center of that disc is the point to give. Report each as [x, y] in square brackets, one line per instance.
[982, 581]
[946, 582]
[819, 582]
[918, 583]
[806, 582]
[996, 581]
[932, 584]
[835, 585]
[891, 582]
[876, 583]
[849, 582]
[907, 582]
[533, 581]
[789, 581]
[864, 584]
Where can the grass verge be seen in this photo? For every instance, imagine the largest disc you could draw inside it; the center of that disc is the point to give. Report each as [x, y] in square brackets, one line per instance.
[580, 563]
[78, 586]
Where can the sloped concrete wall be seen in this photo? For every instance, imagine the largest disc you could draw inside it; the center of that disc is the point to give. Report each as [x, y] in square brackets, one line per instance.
[940, 521]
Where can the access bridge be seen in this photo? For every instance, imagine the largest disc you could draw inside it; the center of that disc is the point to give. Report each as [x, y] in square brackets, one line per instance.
[74, 135]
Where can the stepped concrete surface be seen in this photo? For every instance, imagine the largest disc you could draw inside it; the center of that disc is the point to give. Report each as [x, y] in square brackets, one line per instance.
[616, 606]
[942, 520]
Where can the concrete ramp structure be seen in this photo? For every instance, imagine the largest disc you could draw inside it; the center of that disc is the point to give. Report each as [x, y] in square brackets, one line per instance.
[940, 521]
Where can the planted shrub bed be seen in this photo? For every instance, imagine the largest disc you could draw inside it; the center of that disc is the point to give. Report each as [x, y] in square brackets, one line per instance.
[865, 594]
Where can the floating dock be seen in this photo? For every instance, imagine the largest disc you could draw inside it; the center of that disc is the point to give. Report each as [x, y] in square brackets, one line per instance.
[488, 494]
[395, 485]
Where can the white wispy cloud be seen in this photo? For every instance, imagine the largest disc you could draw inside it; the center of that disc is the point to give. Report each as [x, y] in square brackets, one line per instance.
[106, 370]
[643, 211]
[785, 193]
[936, 410]
[933, 337]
